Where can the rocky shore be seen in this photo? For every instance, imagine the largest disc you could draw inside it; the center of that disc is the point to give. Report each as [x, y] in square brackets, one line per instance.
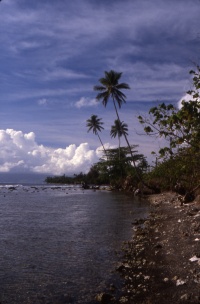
[161, 264]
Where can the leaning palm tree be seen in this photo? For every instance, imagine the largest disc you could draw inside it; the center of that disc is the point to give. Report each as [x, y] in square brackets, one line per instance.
[95, 124]
[118, 129]
[110, 88]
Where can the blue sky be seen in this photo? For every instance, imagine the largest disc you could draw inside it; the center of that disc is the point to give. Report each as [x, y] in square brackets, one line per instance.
[54, 52]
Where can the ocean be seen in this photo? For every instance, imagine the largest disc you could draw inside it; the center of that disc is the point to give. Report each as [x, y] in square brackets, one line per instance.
[59, 244]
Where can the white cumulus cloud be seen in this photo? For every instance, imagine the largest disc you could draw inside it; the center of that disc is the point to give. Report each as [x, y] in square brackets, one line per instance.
[86, 102]
[186, 98]
[20, 152]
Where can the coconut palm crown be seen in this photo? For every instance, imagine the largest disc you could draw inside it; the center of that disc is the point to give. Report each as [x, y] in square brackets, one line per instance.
[95, 124]
[111, 88]
[118, 129]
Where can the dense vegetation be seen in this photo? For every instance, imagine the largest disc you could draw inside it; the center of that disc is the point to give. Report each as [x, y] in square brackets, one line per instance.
[177, 163]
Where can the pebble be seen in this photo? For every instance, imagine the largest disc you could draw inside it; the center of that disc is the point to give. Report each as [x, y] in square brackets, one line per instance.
[184, 297]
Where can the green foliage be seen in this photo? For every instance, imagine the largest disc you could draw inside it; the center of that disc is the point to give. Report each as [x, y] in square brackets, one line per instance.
[181, 129]
[178, 126]
[180, 169]
[118, 169]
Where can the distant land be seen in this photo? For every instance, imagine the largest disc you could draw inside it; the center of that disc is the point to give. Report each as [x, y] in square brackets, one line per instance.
[22, 178]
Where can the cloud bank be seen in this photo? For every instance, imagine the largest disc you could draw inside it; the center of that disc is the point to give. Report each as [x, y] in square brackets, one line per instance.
[20, 152]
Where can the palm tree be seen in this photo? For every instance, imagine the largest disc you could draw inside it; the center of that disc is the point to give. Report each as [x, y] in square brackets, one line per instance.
[118, 129]
[110, 88]
[95, 124]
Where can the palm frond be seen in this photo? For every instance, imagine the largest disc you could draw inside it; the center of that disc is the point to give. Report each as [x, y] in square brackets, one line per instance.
[120, 94]
[104, 81]
[122, 85]
[119, 128]
[113, 76]
[104, 96]
[99, 88]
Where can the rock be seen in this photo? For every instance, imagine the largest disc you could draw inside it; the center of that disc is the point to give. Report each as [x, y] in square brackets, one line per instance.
[194, 259]
[104, 298]
[189, 197]
[122, 267]
[175, 278]
[180, 282]
[158, 246]
[123, 300]
[12, 188]
[184, 297]
[139, 221]
[112, 287]
[197, 199]
[137, 192]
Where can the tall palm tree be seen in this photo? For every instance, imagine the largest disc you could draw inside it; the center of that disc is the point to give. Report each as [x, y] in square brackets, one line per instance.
[110, 88]
[118, 129]
[95, 124]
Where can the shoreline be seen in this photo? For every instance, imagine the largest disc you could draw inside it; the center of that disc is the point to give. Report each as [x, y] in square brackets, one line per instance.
[161, 263]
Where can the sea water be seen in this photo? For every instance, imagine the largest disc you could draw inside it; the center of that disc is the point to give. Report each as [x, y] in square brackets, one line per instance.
[58, 244]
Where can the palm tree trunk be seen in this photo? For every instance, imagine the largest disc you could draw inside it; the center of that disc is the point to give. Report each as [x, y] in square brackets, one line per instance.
[128, 144]
[119, 146]
[101, 143]
[116, 109]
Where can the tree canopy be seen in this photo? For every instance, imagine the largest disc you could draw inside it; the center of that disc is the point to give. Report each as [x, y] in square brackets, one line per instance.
[180, 127]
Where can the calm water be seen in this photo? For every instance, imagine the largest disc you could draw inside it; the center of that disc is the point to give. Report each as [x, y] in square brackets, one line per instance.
[57, 245]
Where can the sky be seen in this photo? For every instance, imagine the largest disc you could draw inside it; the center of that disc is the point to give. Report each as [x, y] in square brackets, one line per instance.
[54, 52]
